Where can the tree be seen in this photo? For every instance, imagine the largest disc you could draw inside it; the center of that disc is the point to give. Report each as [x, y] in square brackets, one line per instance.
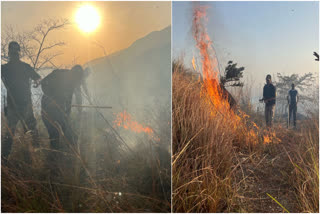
[232, 75]
[303, 83]
[34, 44]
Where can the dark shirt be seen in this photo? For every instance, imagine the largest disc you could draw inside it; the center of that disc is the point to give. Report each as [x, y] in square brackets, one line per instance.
[293, 96]
[16, 78]
[59, 85]
[269, 91]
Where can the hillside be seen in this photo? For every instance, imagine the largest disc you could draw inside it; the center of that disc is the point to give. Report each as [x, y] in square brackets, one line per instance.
[135, 78]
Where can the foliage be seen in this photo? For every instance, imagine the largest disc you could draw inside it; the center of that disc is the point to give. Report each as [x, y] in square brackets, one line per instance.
[232, 75]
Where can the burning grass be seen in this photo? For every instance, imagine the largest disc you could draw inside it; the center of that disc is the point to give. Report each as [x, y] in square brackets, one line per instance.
[203, 153]
[101, 175]
[225, 165]
[225, 162]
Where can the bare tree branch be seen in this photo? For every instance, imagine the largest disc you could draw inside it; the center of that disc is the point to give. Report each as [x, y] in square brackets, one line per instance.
[33, 44]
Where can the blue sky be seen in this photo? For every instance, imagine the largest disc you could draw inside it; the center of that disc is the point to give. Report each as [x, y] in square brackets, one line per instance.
[264, 37]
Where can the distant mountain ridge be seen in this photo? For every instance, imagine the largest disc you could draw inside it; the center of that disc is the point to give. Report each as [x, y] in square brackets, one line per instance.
[135, 78]
[153, 39]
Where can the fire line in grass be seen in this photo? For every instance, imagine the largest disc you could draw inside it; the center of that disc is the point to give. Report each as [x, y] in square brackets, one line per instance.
[124, 120]
[212, 91]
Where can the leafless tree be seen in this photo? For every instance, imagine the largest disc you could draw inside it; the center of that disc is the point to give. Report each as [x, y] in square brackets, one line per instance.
[35, 46]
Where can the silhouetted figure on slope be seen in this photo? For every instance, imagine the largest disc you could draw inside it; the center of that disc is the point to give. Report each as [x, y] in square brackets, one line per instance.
[16, 76]
[58, 88]
[293, 100]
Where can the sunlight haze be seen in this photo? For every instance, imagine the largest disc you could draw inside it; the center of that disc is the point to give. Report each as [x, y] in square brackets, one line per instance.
[121, 23]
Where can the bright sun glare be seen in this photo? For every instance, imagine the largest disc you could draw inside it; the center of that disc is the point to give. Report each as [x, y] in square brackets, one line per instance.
[87, 18]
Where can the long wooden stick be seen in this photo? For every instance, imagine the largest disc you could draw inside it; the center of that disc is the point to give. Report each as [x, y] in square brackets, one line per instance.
[89, 106]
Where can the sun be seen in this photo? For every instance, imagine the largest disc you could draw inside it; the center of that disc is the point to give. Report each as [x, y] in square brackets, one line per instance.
[87, 18]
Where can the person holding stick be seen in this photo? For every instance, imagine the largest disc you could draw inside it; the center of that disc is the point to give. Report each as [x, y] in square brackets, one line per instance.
[58, 88]
[269, 98]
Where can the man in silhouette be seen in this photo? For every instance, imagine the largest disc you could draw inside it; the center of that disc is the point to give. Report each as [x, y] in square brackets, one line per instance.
[58, 88]
[293, 100]
[16, 76]
[269, 98]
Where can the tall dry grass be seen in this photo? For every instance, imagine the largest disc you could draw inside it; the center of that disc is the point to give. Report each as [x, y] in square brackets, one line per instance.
[203, 154]
[207, 147]
[99, 176]
[304, 157]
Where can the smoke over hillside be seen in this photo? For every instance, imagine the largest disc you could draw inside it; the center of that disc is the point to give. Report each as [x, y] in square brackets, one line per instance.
[136, 79]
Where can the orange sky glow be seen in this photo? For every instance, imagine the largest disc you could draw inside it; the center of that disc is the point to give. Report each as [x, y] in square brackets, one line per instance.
[121, 23]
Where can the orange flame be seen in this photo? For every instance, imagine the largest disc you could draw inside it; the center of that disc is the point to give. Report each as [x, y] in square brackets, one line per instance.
[212, 90]
[194, 64]
[124, 119]
[209, 62]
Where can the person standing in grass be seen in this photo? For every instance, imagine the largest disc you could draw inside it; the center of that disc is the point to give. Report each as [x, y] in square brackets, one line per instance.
[269, 98]
[293, 100]
[16, 76]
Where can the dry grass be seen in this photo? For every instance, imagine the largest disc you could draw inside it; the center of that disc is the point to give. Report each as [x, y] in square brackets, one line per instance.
[100, 176]
[223, 162]
[304, 156]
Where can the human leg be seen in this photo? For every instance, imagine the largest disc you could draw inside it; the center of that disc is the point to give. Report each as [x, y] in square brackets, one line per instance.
[266, 115]
[6, 144]
[290, 113]
[294, 115]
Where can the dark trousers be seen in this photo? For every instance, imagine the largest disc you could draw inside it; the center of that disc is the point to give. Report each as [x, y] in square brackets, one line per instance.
[16, 113]
[293, 113]
[56, 121]
[269, 114]
[60, 158]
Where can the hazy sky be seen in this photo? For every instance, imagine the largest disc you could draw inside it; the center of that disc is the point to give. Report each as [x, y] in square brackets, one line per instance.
[264, 37]
[122, 23]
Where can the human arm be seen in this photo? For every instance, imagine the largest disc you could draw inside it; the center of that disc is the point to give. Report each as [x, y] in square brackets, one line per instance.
[263, 96]
[3, 75]
[33, 75]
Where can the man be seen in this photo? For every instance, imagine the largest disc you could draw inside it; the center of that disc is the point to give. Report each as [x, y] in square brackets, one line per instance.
[269, 98]
[78, 91]
[293, 100]
[16, 76]
[58, 88]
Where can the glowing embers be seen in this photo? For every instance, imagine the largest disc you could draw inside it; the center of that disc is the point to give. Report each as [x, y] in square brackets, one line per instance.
[124, 119]
[270, 137]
